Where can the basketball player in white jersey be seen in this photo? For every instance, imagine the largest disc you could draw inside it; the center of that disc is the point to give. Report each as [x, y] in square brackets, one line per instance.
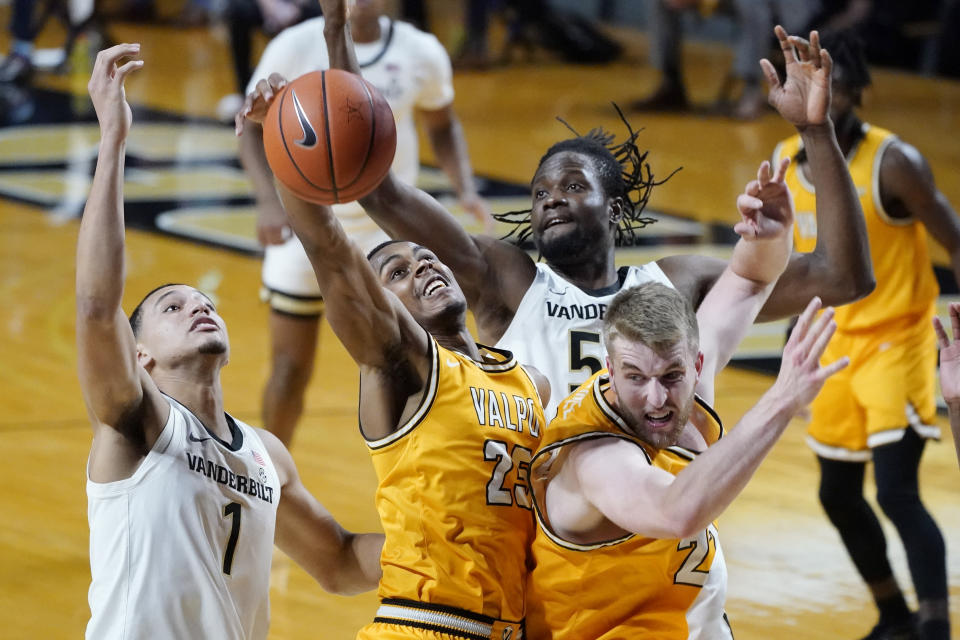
[550, 313]
[412, 70]
[185, 502]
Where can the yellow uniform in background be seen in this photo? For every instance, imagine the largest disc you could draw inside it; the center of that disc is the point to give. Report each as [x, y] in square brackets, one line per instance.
[890, 383]
[454, 503]
[632, 586]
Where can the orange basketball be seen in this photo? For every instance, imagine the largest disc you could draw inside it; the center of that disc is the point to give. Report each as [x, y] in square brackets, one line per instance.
[330, 137]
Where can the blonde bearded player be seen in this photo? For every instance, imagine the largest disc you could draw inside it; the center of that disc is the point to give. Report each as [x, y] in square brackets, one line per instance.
[412, 71]
[633, 472]
[451, 427]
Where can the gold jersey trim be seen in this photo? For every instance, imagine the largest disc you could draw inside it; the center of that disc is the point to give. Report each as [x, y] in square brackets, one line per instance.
[599, 385]
[429, 395]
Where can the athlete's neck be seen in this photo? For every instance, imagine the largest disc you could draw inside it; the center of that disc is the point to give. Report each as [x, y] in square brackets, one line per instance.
[203, 398]
[365, 31]
[461, 342]
[598, 271]
[848, 128]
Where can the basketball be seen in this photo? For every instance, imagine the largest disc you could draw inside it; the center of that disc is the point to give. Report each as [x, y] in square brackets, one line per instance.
[330, 137]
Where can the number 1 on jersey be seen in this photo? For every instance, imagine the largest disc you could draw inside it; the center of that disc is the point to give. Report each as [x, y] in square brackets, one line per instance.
[232, 510]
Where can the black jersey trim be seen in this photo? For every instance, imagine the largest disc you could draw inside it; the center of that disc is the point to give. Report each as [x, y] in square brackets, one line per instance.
[236, 433]
[383, 50]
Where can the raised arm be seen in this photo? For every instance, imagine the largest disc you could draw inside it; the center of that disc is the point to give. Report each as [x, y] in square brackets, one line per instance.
[115, 387]
[342, 562]
[839, 269]
[494, 274]
[616, 479]
[731, 306]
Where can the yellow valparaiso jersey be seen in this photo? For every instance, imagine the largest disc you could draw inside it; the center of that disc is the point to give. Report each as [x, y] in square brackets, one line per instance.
[632, 586]
[906, 287]
[453, 491]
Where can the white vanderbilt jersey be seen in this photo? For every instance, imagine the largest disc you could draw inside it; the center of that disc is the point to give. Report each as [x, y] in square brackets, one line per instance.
[182, 548]
[557, 327]
[706, 618]
[408, 66]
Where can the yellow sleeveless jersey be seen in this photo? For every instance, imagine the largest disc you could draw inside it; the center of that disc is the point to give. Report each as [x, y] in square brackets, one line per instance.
[453, 493]
[906, 287]
[629, 587]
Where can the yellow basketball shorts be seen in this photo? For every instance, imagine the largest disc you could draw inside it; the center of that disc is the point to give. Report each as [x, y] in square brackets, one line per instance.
[889, 386]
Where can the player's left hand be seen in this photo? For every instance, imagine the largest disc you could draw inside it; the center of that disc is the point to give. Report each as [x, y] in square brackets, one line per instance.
[258, 101]
[949, 356]
[480, 210]
[804, 98]
[766, 206]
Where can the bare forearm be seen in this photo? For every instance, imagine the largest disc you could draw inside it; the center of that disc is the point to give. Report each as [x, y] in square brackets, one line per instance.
[336, 32]
[365, 550]
[842, 242]
[761, 261]
[709, 484]
[100, 244]
[450, 147]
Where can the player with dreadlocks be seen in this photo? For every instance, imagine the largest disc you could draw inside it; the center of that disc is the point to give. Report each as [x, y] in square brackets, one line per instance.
[883, 406]
[550, 313]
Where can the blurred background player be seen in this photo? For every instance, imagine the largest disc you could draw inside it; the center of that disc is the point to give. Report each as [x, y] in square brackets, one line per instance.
[754, 19]
[412, 71]
[185, 503]
[883, 407]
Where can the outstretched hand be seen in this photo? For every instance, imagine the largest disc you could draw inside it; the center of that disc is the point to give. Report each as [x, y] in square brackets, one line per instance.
[801, 374]
[949, 356]
[258, 101]
[804, 98]
[107, 93]
[766, 206]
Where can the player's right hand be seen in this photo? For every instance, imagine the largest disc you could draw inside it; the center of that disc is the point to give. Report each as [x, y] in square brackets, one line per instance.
[272, 226]
[801, 374]
[258, 101]
[106, 90]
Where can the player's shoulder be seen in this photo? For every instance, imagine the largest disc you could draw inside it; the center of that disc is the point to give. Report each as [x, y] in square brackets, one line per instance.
[306, 31]
[421, 42]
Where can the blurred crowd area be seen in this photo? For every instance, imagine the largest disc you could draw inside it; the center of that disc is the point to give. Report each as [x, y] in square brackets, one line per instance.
[487, 34]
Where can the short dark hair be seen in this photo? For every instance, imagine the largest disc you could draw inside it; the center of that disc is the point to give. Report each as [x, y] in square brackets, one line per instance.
[850, 67]
[377, 248]
[136, 317]
[623, 171]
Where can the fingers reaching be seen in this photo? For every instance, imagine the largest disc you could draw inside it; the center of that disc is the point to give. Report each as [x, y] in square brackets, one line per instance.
[763, 174]
[942, 340]
[782, 170]
[803, 322]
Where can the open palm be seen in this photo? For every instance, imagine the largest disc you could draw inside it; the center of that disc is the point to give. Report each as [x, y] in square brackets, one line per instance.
[949, 355]
[804, 97]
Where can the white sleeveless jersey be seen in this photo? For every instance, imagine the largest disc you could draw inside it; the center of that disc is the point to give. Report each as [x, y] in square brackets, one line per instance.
[182, 548]
[408, 66]
[557, 327]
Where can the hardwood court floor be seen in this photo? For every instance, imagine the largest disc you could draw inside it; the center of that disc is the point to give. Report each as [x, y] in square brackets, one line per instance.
[789, 577]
